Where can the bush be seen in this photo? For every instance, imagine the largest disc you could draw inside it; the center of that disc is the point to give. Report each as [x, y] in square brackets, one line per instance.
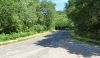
[39, 28]
[13, 36]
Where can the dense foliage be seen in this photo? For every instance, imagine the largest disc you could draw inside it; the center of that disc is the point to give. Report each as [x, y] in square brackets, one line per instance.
[61, 20]
[24, 17]
[16, 15]
[19, 18]
[86, 17]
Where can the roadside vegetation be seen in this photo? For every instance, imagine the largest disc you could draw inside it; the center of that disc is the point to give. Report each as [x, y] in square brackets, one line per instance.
[85, 15]
[19, 18]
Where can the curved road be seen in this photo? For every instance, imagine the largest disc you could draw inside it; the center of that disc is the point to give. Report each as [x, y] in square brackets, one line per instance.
[54, 45]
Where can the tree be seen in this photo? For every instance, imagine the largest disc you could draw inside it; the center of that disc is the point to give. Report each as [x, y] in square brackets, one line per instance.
[45, 13]
[85, 14]
[16, 15]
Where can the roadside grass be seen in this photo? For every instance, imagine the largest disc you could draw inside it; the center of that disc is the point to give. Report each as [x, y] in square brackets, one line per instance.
[83, 39]
[15, 37]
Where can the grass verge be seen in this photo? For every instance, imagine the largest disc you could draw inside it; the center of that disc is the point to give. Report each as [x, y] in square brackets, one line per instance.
[22, 37]
[83, 39]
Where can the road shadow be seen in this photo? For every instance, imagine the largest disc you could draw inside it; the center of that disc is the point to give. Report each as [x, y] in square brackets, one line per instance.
[61, 39]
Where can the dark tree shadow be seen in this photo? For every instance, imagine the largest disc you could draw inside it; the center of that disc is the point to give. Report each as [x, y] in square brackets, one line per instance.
[61, 39]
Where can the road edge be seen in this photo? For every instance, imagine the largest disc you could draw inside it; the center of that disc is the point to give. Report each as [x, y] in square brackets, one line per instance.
[25, 38]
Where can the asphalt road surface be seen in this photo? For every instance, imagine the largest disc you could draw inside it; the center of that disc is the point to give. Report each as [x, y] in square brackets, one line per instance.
[54, 45]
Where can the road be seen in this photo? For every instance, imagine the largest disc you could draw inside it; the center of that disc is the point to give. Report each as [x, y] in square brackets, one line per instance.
[55, 45]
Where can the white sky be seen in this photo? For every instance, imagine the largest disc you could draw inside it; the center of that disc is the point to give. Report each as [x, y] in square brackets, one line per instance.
[59, 1]
[60, 4]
